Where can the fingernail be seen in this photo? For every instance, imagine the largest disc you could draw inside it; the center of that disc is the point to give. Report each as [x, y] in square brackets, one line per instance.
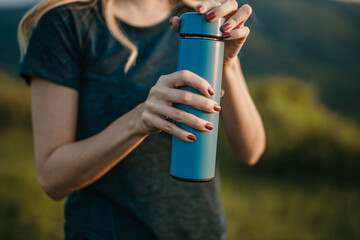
[209, 126]
[217, 107]
[199, 8]
[170, 22]
[210, 92]
[191, 137]
[211, 16]
[226, 35]
[226, 26]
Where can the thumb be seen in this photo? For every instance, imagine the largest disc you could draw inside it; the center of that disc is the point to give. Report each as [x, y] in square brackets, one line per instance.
[222, 92]
[175, 23]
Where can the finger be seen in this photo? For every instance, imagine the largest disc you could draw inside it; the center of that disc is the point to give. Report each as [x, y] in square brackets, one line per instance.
[187, 98]
[227, 8]
[206, 6]
[171, 128]
[188, 78]
[222, 92]
[175, 23]
[237, 33]
[181, 116]
[239, 18]
[195, 100]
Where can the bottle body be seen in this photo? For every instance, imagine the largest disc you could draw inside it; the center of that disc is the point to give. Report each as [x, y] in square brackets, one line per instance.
[196, 161]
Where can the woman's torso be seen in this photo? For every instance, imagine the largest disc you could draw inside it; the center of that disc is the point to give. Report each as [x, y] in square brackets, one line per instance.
[137, 199]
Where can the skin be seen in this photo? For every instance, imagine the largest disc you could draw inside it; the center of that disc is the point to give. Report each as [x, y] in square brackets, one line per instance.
[65, 165]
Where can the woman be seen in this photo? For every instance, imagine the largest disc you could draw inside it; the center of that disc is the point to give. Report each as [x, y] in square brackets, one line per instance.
[99, 119]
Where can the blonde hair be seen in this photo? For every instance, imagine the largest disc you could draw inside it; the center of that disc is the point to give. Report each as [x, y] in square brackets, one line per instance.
[33, 16]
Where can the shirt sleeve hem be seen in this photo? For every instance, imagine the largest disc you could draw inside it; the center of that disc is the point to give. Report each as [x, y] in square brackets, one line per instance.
[27, 77]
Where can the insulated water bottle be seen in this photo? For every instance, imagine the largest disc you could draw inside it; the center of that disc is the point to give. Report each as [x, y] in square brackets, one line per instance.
[201, 50]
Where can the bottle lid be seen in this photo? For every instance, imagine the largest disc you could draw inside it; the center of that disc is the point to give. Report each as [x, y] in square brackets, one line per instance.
[193, 23]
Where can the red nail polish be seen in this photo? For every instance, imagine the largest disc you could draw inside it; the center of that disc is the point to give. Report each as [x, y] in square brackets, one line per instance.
[209, 126]
[191, 137]
[226, 26]
[210, 92]
[170, 22]
[226, 35]
[211, 16]
[199, 8]
[217, 108]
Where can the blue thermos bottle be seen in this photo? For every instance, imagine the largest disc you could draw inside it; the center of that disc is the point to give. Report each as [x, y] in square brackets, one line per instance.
[201, 51]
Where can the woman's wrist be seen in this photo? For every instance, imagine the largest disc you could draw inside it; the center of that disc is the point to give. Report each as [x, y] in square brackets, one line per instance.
[231, 63]
[231, 72]
[135, 125]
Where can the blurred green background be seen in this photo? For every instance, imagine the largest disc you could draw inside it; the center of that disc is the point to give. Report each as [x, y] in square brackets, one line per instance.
[301, 62]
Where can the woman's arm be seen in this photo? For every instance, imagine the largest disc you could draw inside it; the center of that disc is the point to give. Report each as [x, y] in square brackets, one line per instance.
[64, 165]
[241, 119]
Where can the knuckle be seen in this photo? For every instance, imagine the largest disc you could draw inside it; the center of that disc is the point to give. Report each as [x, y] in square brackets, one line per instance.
[185, 97]
[157, 90]
[161, 79]
[235, 3]
[145, 117]
[168, 127]
[184, 73]
[149, 105]
[187, 81]
[198, 123]
[178, 115]
[209, 105]
[153, 90]
[247, 9]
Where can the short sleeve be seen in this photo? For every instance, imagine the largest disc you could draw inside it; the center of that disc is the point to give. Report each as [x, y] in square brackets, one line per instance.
[53, 52]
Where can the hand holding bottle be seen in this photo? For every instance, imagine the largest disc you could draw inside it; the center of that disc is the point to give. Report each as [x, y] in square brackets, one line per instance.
[235, 33]
[160, 105]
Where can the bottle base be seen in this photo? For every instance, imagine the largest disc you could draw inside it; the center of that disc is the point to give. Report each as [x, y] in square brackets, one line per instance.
[192, 180]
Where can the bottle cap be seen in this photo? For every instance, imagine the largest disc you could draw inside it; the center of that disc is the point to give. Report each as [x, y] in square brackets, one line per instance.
[193, 23]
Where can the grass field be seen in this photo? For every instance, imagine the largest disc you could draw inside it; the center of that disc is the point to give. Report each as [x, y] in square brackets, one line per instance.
[262, 208]
[25, 211]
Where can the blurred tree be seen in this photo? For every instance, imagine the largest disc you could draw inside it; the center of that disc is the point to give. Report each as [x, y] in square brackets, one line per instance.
[303, 136]
[14, 103]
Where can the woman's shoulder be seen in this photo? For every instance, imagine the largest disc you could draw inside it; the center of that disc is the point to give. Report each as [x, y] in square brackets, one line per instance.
[77, 13]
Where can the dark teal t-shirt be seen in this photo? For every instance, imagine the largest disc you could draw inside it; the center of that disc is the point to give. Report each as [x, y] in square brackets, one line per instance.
[137, 199]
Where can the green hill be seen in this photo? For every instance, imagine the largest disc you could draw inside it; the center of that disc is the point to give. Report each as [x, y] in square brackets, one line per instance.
[314, 40]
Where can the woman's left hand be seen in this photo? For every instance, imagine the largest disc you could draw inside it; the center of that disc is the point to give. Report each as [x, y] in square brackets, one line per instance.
[235, 33]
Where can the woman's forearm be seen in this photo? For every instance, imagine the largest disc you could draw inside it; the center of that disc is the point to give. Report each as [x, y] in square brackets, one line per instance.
[78, 164]
[65, 165]
[241, 119]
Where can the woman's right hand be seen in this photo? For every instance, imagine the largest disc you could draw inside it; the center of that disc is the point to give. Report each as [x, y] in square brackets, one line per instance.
[159, 105]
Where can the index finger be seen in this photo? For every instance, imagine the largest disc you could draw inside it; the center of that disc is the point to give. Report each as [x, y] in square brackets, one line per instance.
[206, 5]
[224, 10]
[188, 78]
